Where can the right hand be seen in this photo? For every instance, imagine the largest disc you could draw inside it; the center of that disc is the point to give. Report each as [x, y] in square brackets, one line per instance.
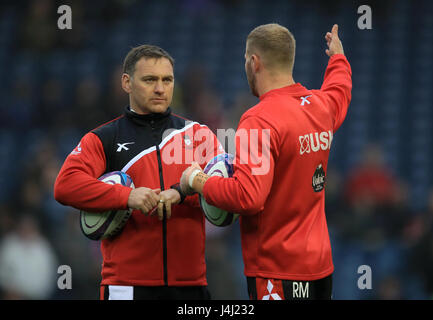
[184, 179]
[169, 197]
[143, 199]
[333, 41]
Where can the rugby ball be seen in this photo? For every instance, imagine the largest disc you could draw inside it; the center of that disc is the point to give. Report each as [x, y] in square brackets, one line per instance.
[103, 225]
[221, 165]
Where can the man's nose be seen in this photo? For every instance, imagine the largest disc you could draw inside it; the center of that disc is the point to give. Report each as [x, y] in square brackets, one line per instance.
[159, 87]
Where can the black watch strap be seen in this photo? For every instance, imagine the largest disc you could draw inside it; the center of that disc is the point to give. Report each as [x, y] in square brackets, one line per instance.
[176, 186]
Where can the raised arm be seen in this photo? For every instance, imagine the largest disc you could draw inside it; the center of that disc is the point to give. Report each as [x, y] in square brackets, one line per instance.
[337, 83]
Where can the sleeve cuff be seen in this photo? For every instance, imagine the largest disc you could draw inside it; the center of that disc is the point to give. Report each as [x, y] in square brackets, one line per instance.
[176, 187]
[124, 193]
[338, 55]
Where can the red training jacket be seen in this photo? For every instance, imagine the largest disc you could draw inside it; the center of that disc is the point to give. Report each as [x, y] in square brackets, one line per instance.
[154, 150]
[281, 198]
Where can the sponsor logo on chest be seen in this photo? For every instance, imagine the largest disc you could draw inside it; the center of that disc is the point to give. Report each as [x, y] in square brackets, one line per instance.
[315, 141]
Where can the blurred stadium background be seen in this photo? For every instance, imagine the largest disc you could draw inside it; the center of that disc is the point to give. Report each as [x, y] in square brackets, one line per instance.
[56, 85]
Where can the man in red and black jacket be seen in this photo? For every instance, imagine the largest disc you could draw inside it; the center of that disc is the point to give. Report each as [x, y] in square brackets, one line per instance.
[280, 168]
[151, 258]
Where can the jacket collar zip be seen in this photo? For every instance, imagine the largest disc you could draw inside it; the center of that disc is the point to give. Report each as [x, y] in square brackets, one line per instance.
[152, 119]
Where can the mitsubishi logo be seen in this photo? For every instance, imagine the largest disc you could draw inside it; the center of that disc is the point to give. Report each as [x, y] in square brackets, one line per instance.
[304, 99]
[122, 146]
[274, 296]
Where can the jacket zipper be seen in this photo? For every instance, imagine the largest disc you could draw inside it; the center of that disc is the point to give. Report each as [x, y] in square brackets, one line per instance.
[164, 220]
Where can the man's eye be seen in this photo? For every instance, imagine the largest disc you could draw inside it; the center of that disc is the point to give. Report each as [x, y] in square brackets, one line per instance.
[168, 80]
[149, 80]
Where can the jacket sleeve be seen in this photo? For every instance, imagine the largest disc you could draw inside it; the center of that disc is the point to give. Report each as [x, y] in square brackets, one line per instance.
[206, 150]
[256, 150]
[337, 87]
[77, 183]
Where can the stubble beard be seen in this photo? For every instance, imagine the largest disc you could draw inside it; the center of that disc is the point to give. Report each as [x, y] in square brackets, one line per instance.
[251, 80]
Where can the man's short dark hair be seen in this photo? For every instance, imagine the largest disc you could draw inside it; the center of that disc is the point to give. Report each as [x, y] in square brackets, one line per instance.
[147, 51]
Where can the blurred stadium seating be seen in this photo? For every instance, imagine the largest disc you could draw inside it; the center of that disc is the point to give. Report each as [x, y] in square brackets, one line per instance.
[43, 114]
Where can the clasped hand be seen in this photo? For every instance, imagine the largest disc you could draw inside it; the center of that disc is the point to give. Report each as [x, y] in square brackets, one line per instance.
[153, 201]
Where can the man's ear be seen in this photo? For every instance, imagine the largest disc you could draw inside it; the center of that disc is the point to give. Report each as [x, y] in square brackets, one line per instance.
[256, 63]
[126, 82]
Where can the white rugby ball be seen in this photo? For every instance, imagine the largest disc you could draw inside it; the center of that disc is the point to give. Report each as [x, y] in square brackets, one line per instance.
[103, 225]
[221, 165]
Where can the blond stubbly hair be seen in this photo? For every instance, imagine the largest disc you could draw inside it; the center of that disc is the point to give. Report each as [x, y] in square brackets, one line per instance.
[274, 44]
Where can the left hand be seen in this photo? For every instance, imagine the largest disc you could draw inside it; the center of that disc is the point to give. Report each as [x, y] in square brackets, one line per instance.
[333, 42]
[184, 180]
[167, 198]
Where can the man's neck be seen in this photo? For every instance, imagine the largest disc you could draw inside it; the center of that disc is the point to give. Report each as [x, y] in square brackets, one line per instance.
[274, 81]
[135, 109]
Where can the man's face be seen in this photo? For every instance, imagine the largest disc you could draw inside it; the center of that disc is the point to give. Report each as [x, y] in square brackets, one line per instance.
[151, 86]
[250, 75]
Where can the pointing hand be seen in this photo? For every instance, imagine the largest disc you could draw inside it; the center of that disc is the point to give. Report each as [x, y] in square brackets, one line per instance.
[333, 42]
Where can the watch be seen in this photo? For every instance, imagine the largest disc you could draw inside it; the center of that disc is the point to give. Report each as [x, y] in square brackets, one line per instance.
[176, 186]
